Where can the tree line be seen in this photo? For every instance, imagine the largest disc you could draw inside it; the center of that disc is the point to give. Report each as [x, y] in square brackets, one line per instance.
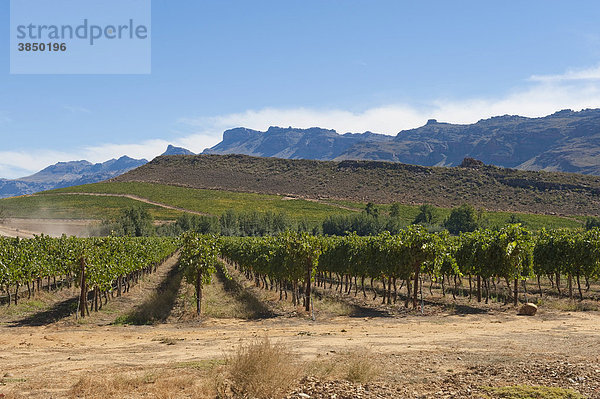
[137, 221]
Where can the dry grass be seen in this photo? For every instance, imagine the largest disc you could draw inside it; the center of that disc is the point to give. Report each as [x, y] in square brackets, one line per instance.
[261, 369]
[327, 306]
[361, 366]
[40, 301]
[356, 365]
[567, 305]
[159, 385]
[221, 303]
[216, 303]
[157, 306]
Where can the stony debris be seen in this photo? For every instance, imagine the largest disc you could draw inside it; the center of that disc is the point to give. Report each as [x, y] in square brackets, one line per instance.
[468, 383]
[313, 388]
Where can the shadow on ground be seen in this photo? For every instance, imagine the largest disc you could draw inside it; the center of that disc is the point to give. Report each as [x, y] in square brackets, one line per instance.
[158, 307]
[253, 306]
[57, 312]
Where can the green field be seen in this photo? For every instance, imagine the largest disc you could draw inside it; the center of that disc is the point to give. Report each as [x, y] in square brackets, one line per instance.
[215, 202]
[212, 202]
[75, 207]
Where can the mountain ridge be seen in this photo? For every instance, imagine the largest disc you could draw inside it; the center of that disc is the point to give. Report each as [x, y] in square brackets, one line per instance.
[172, 150]
[567, 141]
[65, 174]
[73, 173]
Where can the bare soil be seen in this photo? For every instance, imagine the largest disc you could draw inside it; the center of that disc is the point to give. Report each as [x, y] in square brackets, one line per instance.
[420, 356]
[26, 228]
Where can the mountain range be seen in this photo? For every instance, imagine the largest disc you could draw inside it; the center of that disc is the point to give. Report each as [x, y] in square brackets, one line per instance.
[74, 173]
[566, 141]
[65, 174]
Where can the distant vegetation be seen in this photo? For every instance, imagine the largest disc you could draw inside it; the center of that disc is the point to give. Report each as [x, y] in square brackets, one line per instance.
[463, 219]
[137, 222]
[213, 202]
[372, 220]
[217, 202]
[590, 223]
[249, 214]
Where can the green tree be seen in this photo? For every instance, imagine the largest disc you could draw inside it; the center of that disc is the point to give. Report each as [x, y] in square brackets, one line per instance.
[229, 223]
[395, 210]
[590, 223]
[462, 219]
[515, 219]
[372, 210]
[135, 222]
[427, 214]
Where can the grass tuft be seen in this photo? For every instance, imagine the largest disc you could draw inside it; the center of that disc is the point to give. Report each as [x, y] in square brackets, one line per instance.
[357, 365]
[532, 392]
[262, 369]
[361, 366]
[153, 385]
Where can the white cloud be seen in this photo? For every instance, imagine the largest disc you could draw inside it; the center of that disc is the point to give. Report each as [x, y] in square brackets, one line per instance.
[147, 149]
[386, 119]
[544, 95]
[570, 75]
[540, 99]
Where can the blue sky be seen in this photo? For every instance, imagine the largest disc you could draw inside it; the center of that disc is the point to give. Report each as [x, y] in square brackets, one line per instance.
[349, 65]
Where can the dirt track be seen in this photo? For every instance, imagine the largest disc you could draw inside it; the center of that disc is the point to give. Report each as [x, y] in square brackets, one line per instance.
[26, 228]
[49, 360]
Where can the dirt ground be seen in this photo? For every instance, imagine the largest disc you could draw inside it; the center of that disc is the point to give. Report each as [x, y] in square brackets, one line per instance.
[26, 228]
[46, 361]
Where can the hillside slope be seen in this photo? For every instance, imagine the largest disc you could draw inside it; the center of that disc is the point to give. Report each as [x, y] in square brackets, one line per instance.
[382, 182]
[565, 141]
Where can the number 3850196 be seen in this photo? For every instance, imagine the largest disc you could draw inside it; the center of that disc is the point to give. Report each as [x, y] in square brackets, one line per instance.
[42, 47]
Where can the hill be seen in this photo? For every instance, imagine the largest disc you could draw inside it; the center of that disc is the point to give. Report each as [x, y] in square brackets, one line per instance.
[489, 187]
[565, 141]
[65, 174]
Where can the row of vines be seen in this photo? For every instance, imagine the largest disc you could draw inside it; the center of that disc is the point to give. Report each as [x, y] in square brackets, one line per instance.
[294, 262]
[100, 266]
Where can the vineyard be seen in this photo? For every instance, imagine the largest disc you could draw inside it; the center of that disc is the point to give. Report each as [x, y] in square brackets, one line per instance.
[100, 266]
[330, 277]
[295, 263]
[505, 260]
